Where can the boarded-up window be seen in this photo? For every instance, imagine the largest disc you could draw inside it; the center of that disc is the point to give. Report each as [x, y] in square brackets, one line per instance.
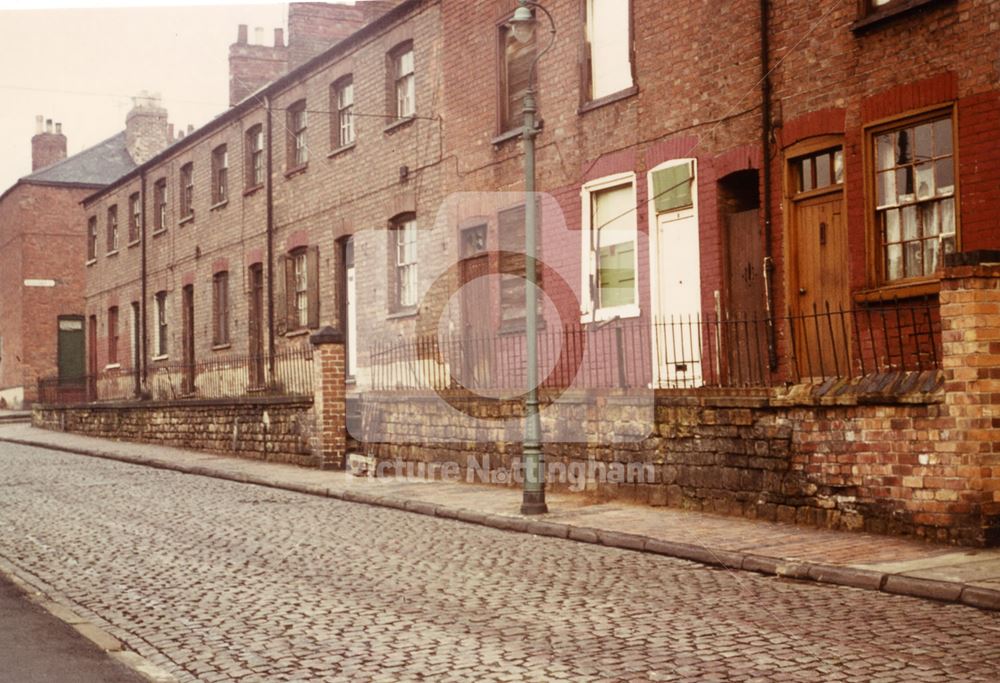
[672, 188]
[609, 50]
[512, 267]
[515, 67]
[614, 236]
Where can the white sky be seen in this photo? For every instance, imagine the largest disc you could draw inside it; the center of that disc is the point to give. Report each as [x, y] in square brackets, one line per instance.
[81, 62]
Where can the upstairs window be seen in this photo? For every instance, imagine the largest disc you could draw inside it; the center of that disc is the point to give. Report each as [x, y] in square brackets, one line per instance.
[914, 190]
[220, 175]
[608, 48]
[112, 228]
[298, 152]
[516, 59]
[160, 205]
[342, 126]
[255, 157]
[403, 258]
[403, 86]
[220, 308]
[92, 238]
[134, 218]
[187, 191]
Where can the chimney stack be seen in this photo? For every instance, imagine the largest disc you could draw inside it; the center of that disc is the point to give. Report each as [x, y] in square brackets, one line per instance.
[241, 35]
[47, 147]
[279, 37]
[251, 65]
[146, 132]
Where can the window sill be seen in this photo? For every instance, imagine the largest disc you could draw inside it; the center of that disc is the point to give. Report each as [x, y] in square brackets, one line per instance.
[158, 359]
[113, 366]
[292, 172]
[399, 123]
[134, 243]
[604, 315]
[218, 205]
[251, 190]
[161, 231]
[608, 99]
[904, 290]
[91, 262]
[403, 314]
[875, 18]
[113, 252]
[340, 150]
[297, 333]
[186, 220]
[221, 347]
[514, 134]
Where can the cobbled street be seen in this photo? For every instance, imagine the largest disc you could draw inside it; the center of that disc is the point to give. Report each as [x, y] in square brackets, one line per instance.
[216, 581]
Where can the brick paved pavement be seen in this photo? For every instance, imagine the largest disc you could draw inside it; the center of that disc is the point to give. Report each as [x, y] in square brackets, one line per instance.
[215, 580]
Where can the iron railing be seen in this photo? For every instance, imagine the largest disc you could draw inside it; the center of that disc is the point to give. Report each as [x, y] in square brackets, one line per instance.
[676, 352]
[225, 377]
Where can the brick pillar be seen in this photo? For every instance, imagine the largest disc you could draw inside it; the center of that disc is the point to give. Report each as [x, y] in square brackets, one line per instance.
[970, 335]
[329, 402]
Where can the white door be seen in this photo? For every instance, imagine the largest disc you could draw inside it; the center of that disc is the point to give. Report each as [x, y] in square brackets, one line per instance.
[675, 275]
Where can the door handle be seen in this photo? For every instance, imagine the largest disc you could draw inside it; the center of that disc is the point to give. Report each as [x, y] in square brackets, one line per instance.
[802, 291]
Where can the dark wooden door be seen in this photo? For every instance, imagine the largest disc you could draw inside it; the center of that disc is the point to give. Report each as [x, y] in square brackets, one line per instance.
[820, 282]
[477, 326]
[187, 338]
[256, 325]
[743, 326]
[70, 351]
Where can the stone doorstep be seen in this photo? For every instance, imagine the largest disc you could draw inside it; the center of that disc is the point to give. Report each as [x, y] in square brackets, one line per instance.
[92, 632]
[854, 577]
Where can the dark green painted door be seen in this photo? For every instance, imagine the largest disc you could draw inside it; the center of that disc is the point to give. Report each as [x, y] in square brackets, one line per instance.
[71, 348]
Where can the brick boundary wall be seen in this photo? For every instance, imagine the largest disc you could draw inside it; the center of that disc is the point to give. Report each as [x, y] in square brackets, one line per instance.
[272, 429]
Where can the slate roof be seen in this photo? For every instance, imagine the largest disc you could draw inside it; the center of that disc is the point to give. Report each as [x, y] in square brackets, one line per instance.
[101, 164]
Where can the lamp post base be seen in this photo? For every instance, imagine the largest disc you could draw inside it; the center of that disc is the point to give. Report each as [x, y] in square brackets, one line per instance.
[533, 503]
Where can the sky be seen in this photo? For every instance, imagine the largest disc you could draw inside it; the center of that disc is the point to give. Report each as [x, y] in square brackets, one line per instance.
[80, 63]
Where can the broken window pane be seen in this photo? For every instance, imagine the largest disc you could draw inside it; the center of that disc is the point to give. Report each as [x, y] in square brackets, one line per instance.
[903, 152]
[904, 184]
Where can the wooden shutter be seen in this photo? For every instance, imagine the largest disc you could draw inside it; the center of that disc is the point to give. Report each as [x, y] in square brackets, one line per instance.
[281, 296]
[312, 274]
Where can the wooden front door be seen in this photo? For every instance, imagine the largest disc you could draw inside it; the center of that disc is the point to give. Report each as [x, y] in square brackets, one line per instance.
[743, 326]
[820, 283]
[476, 311]
[256, 325]
[187, 338]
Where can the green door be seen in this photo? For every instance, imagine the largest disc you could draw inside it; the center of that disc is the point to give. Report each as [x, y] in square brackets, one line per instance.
[71, 348]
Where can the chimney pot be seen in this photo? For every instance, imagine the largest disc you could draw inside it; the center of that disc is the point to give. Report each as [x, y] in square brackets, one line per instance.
[170, 131]
[241, 35]
[48, 125]
[39, 124]
[190, 129]
[279, 37]
[258, 35]
[180, 134]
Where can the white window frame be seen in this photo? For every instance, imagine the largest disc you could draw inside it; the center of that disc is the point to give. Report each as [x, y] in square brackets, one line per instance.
[300, 279]
[405, 83]
[345, 111]
[405, 247]
[589, 312]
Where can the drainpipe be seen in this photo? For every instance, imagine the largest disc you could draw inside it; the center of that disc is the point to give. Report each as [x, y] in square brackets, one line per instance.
[143, 341]
[270, 246]
[765, 140]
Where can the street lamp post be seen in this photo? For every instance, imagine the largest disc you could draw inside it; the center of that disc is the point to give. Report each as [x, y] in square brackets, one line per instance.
[533, 500]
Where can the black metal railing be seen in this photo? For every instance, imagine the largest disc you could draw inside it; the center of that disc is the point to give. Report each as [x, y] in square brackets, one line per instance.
[224, 377]
[675, 352]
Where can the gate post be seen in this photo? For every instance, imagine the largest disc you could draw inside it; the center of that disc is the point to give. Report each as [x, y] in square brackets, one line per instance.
[329, 398]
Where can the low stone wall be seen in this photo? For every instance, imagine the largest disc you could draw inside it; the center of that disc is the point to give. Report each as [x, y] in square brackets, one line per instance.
[272, 429]
[863, 456]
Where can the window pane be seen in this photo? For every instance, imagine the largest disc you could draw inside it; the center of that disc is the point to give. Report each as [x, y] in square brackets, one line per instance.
[904, 184]
[806, 175]
[914, 259]
[947, 209]
[942, 137]
[909, 215]
[894, 261]
[672, 188]
[931, 248]
[838, 166]
[887, 188]
[614, 215]
[892, 225]
[823, 176]
[904, 153]
[944, 170]
[925, 181]
[923, 147]
[610, 59]
[616, 274]
[884, 151]
[929, 219]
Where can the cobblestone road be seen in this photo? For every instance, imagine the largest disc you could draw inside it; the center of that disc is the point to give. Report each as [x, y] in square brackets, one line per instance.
[217, 581]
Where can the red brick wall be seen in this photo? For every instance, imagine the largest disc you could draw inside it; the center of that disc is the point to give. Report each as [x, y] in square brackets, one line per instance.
[42, 238]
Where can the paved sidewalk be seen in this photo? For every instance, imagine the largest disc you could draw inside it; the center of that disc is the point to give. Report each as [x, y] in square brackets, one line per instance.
[893, 565]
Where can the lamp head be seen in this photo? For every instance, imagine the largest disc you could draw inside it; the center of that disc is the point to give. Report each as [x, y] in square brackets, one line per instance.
[522, 24]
